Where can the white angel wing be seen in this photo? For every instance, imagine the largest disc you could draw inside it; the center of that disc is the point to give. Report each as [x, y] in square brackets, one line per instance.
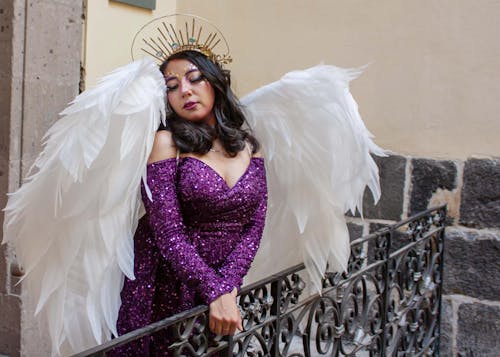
[72, 221]
[318, 158]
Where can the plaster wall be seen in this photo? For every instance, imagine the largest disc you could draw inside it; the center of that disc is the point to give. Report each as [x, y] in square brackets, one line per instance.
[430, 91]
[432, 87]
[110, 28]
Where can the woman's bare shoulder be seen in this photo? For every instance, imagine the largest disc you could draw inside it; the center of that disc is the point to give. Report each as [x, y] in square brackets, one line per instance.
[257, 154]
[163, 147]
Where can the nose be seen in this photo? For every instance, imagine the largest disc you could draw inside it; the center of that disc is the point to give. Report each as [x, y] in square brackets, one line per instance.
[186, 88]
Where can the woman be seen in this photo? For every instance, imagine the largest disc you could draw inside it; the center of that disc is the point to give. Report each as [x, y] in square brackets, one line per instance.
[205, 221]
[74, 223]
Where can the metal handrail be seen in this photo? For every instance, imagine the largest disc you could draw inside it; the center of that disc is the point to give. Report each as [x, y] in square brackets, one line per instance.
[387, 303]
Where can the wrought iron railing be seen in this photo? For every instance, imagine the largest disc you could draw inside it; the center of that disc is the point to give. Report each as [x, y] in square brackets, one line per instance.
[387, 304]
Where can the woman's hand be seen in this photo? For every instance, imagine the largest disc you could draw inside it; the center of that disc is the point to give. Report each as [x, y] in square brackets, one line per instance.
[224, 315]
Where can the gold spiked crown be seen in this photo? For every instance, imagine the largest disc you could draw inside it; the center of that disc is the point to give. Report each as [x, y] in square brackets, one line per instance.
[161, 38]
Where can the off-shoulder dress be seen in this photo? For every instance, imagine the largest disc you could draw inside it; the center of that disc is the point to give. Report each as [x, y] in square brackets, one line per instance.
[195, 243]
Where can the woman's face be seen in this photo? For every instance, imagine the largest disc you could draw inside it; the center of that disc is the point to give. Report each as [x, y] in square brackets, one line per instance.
[189, 94]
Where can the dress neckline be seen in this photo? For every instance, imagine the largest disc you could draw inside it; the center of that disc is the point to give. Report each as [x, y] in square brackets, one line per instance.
[252, 159]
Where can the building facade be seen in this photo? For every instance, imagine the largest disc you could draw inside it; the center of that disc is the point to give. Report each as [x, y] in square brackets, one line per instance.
[429, 95]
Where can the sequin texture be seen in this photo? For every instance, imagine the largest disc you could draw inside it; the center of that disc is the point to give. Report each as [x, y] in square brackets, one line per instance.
[195, 243]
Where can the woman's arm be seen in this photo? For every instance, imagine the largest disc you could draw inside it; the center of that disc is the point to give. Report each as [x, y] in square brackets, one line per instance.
[166, 222]
[163, 147]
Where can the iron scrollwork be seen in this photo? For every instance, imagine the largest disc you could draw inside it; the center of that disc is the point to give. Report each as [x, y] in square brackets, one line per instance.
[386, 304]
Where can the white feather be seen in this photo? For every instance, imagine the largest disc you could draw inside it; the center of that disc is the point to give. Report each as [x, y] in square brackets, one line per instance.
[72, 222]
[318, 163]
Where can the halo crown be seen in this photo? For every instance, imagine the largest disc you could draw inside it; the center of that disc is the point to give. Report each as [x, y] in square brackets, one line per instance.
[164, 36]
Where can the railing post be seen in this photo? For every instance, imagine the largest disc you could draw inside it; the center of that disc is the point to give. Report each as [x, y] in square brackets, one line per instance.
[386, 292]
[276, 311]
[230, 345]
[441, 244]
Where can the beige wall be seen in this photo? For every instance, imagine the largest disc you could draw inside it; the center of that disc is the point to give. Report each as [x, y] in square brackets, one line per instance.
[430, 91]
[110, 29]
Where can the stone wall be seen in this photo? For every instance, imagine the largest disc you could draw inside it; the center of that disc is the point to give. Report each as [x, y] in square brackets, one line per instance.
[10, 304]
[470, 319]
[41, 42]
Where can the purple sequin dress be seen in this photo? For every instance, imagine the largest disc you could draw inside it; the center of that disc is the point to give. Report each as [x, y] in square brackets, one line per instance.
[195, 243]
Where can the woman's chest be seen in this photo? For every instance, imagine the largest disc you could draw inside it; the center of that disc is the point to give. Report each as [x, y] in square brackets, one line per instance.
[199, 185]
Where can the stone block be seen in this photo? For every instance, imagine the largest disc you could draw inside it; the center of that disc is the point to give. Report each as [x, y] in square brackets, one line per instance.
[42, 106]
[355, 230]
[15, 284]
[3, 201]
[430, 179]
[3, 268]
[4, 170]
[4, 120]
[6, 9]
[392, 181]
[4, 182]
[52, 69]
[480, 206]
[472, 264]
[10, 325]
[53, 41]
[478, 330]
[446, 328]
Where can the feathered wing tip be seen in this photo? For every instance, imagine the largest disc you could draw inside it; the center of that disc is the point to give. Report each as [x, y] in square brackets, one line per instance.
[72, 221]
[319, 163]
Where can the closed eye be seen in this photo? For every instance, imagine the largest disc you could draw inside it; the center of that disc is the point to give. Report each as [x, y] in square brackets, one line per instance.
[196, 78]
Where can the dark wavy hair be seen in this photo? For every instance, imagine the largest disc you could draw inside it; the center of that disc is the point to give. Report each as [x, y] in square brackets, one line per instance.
[197, 137]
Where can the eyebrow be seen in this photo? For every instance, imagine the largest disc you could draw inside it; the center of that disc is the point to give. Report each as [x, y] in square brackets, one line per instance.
[176, 76]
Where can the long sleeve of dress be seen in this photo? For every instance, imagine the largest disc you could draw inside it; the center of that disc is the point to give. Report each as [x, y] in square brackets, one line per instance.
[239, 260]
[165, 219]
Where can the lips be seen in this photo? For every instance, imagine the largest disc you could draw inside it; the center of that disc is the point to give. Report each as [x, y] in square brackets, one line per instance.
[189, 105]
